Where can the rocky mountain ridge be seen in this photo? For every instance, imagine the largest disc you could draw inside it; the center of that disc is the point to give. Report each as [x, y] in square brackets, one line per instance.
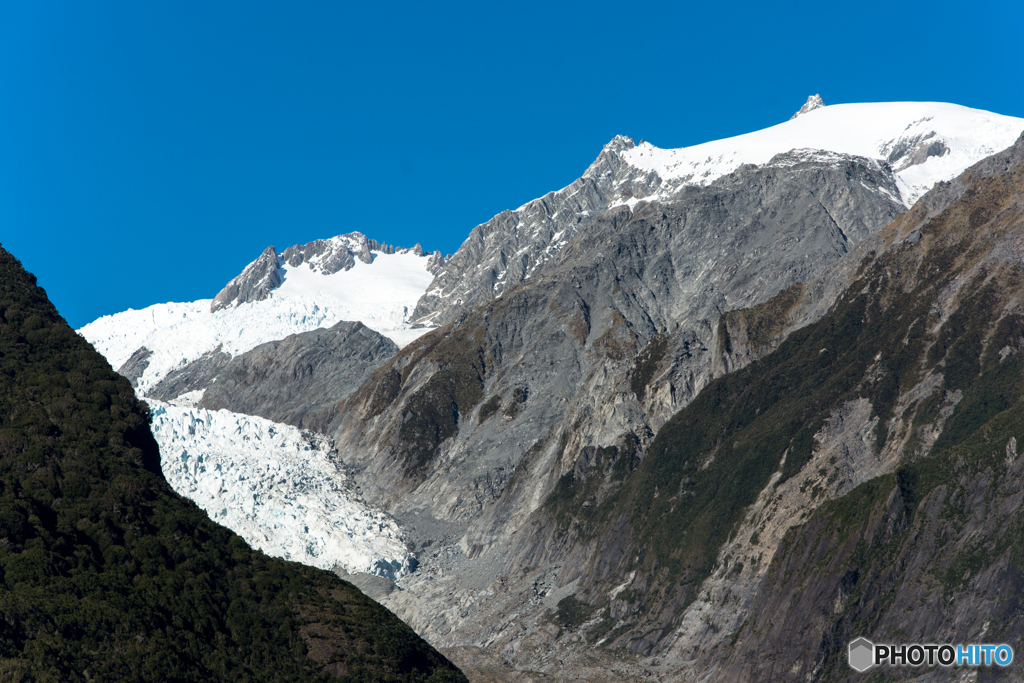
[327, 286]
[578, 368]
[107, 574]
[326, 257]
[923, 143]
[574, 458]
[553, 519]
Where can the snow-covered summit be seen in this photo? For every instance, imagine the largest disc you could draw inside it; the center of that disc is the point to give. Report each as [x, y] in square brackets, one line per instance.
[379, 290]
[326, 257]
[923, 142]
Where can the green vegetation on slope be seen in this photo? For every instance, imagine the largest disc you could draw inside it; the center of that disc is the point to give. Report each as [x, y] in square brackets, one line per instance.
[710, 461]
[107, 575]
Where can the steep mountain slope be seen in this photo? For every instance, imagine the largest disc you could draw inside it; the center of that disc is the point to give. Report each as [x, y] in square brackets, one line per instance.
[922, 143]
[569, 337]
[660, 544]
[901, 406]
[468, 430]
[106, 574]
[930, 551]
[295, 381]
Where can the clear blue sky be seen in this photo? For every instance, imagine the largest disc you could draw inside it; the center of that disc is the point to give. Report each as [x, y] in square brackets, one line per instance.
[149, 150]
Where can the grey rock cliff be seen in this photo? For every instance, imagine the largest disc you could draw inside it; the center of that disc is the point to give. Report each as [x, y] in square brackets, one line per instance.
[670, 268]
[299, 379]
[136, 364]
[253, 284]
[514, 245]
[195, 376]
[516, 394]
[773, 581]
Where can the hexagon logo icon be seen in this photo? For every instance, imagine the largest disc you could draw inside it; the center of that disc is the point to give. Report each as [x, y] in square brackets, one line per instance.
[862, 655]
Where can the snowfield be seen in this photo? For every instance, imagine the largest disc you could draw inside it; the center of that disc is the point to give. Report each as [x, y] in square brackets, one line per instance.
[380, 295]
[873, 130]
[278, 488]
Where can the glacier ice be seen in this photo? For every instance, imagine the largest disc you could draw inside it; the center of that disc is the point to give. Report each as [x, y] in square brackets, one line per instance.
[277, 487]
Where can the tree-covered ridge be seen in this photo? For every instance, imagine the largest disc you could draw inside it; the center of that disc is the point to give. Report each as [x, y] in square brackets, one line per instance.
[107, 575]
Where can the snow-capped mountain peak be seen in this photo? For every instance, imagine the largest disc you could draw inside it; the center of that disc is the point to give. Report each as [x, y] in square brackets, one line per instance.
[325, 257]
[310, 286]
[924, 142]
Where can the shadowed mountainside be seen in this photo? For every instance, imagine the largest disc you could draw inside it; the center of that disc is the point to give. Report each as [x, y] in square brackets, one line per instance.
[106, 574]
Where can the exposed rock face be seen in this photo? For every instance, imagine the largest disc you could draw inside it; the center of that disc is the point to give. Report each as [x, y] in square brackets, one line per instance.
[253, 284]
[514, 245]
[545, 381]
[299, 379]
[661, 268]
[330, 256]
[543, 407]
[194, 377]
[813, 102]
[919, 554]
[136, 364]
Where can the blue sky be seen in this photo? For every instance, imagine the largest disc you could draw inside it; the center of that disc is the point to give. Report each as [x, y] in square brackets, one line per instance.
[148, 151]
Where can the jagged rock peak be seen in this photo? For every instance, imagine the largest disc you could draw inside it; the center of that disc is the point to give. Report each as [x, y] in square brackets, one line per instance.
[334, 254]
[619, 143]
[253, 284]
[326, 257]
[813, 102]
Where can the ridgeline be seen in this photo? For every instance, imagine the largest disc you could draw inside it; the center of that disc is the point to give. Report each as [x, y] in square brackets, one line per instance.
[107, 575]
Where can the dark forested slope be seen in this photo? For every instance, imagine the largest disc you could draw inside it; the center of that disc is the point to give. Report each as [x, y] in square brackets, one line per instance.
[106, 574]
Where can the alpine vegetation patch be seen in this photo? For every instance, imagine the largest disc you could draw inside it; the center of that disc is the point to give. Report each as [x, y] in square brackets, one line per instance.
[863, 654]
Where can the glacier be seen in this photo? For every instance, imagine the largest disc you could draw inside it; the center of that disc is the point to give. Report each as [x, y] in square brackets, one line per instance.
[279, 488]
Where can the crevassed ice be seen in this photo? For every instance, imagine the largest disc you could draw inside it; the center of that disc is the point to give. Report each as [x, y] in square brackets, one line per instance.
[278, 488]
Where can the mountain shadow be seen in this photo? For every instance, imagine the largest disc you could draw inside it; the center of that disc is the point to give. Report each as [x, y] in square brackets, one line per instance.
[107, 575]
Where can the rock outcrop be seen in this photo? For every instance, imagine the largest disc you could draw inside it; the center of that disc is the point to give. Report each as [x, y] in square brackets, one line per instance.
[514, 245]
[252, 284]
[300, 379]
[813, 102]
